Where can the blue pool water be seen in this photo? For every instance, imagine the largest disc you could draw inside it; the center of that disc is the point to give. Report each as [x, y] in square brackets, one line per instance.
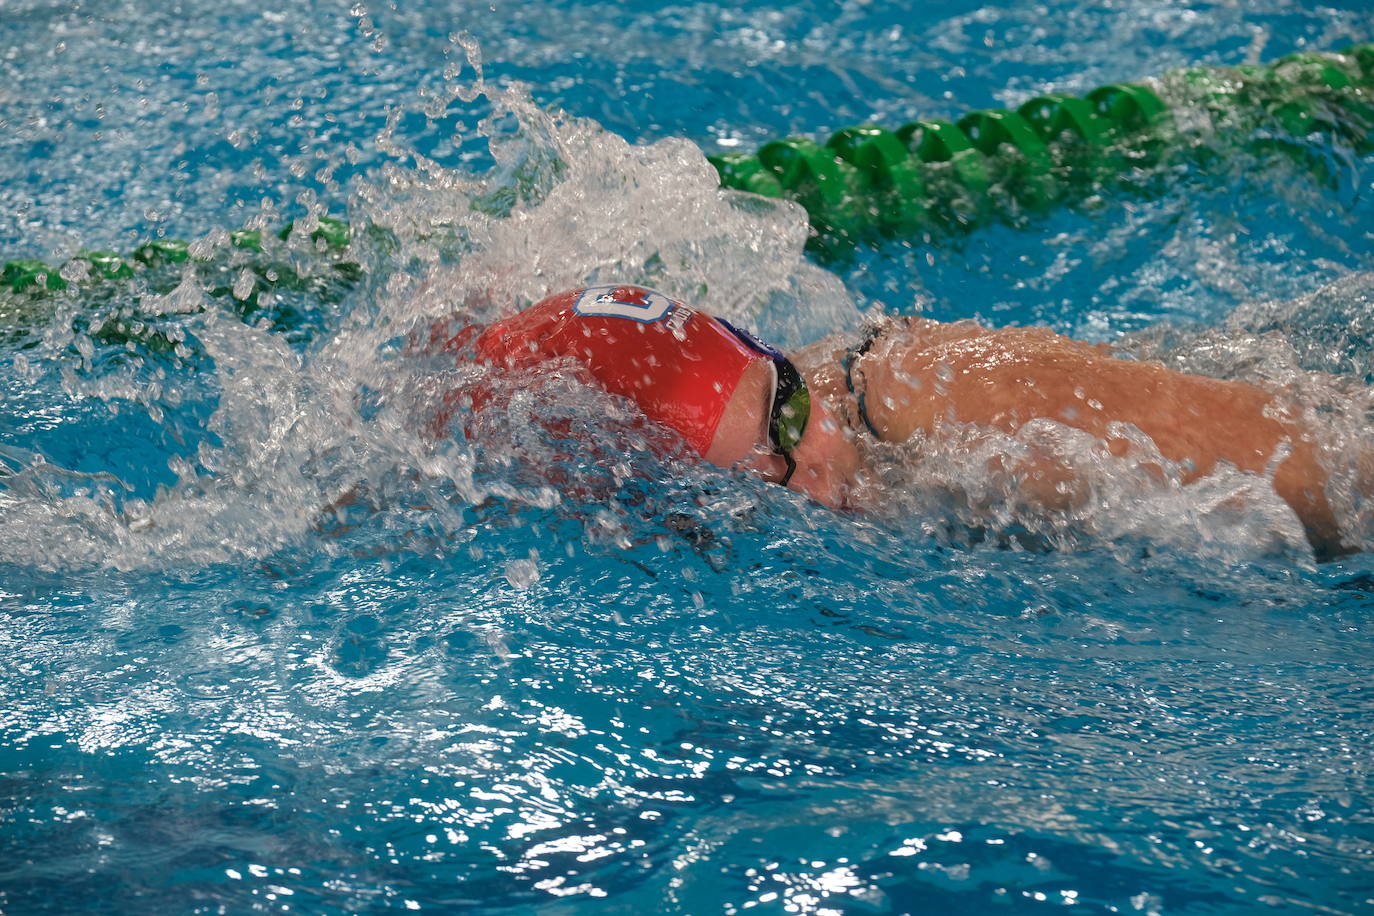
[658, 686]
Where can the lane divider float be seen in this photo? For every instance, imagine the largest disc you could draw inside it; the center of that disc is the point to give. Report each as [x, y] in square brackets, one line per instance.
[867, 182]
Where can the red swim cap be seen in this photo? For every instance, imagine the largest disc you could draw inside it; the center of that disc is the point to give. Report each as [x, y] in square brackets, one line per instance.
[679, 365]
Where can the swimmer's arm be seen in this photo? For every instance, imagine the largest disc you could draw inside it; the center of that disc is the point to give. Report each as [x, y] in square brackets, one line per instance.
[1005, 378]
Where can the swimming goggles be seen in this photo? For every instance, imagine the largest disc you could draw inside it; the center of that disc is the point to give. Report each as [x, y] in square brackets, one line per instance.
[787, 418]
[791, 407]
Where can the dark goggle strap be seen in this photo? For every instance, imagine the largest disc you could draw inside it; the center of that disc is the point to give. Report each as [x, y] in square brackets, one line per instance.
[791, 468]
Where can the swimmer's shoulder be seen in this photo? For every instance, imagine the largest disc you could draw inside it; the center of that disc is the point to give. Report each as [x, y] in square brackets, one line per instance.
[895, 336]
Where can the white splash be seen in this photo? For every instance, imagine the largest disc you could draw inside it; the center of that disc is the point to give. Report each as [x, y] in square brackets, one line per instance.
[294, 434]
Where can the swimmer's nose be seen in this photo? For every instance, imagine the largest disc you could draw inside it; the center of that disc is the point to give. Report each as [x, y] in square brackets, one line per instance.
[827, 461]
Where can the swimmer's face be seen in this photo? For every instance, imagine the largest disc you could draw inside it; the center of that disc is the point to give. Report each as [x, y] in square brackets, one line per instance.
[741, 439]
[826, 460]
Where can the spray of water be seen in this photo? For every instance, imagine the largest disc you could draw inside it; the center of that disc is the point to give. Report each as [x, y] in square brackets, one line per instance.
[286, 439]
[294, 435]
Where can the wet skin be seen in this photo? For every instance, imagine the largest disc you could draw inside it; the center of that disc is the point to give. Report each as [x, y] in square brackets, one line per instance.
[934, 378]
[828, 463]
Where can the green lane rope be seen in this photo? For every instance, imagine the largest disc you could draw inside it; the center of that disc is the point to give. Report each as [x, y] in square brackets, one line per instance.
[330, 234]
[933, 174]
[867, 181]
[244, 282]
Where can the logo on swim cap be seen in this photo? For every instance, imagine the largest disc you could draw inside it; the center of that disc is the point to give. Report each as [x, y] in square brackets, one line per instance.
[633, 302]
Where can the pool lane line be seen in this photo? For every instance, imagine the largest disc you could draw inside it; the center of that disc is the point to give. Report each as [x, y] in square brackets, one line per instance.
[866, 184]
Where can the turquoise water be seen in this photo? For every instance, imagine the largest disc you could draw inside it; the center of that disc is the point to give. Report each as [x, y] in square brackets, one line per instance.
[654, 686]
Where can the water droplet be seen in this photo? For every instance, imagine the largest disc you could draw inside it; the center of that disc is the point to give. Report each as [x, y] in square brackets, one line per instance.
[522, 573]
[243, 286]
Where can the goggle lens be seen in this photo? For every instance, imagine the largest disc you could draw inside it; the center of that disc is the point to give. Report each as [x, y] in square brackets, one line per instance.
[791, 410]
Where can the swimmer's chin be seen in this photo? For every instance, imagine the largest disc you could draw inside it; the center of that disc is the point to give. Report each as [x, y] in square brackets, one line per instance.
[828, 487]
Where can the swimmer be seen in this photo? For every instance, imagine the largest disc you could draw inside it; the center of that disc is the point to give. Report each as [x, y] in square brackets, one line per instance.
[797, 422]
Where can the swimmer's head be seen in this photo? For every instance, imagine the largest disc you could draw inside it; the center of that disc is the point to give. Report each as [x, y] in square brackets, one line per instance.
[681, 366]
